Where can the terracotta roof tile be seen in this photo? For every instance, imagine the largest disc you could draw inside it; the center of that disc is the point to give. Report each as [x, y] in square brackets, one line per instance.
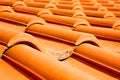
[7, 68]
[103, 60]
[42, 61]
[93, 70]
[59, 39]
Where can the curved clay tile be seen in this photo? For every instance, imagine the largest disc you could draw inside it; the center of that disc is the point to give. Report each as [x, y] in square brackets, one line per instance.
[2, 49]
[88, 3]
[107, 4]
[10, 37]
[78, 10]
[100, 14]
[110, 62]
[87, 12]
[59, 19]
[36, 4]
[102, 9]
[81, 22]
[104, 33]
[90, 7]
[75, 8]
[12, 25]
[21, 8]
[97, 4]
[44, 11]
[96, 8]
[36, 10]
[101, 22]
[36, 63]
[116, 26]
[111, 45]
[65, 2]
[64, 6]
[54, 2]
[36, 21]
[7, 2]
[113, 9]
[7, 14]
[8, 34]
[60, 26]
[61, 34]
[70, 21]
[60, 11]
[76, 3]
[19, 3]
[41, 22]
[6, 9]
[94, 13]
[17, 74]
[41, 4]
[51, 5]
[80, 64]
[66, 12]
[15, 17]
[109, 15]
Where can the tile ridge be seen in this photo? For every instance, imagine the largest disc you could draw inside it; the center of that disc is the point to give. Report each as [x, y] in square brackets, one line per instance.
[13, 37]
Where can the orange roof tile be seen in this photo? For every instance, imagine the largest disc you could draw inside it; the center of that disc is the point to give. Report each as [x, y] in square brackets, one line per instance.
[59, 39]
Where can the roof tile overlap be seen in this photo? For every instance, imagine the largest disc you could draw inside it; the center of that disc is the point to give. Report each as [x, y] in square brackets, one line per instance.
[60, 39]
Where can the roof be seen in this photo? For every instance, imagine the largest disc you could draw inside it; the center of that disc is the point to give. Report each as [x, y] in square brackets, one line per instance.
[59, 39]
